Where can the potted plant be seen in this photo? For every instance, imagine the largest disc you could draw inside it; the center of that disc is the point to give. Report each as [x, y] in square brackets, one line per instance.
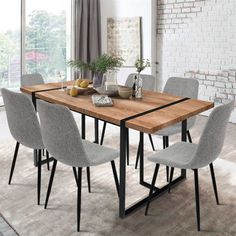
[98, 67]
[140, 65]
[102, 65]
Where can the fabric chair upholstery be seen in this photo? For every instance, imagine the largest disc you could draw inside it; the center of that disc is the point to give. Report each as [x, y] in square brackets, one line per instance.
[22, 119]
[62, 138]
[191, 156]
[31, 79]
[148, 81]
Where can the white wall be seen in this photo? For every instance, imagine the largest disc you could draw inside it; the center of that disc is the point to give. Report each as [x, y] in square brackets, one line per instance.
[129, 8]
[197, 38]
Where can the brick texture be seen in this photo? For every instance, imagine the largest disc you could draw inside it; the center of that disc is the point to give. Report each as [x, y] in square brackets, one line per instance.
[197, 38]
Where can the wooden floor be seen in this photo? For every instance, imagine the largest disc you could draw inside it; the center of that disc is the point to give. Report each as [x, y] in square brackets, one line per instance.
[172, 214]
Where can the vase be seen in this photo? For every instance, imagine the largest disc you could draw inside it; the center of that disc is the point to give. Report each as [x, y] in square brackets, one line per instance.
[97, 80]
[139, 86]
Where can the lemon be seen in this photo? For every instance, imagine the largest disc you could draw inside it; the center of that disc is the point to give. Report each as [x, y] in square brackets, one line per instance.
[84, 84]
[73, 92]
[78, 82]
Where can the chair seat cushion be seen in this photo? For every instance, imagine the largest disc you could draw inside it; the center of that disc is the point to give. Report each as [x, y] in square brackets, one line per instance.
[98, 154]
[178, 155]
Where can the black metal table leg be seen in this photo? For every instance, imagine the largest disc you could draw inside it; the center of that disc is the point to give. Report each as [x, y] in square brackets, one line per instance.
[184, 139]
[96, 130]
[141, 165]
[123, 133]
[83, 128]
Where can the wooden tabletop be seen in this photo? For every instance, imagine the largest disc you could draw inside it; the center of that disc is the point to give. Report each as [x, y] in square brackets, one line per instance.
[157, 120]
[125, 108]
[122, 109]
[44, 87]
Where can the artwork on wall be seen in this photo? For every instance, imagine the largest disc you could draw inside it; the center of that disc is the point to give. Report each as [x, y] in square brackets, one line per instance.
[124, 39]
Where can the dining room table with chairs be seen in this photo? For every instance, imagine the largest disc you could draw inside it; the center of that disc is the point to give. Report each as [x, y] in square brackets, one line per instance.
[155, 111]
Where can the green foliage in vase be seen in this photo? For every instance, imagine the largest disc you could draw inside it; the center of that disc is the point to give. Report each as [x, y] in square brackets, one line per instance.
[100, 65]
[104, 63]
[141, 64]
[78, 64]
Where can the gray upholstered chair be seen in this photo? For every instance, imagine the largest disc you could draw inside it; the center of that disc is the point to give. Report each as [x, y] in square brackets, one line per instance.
[148, 81]
[24, 127]
[62, 139]
[184, 87]
[148, 84]
[194, 156]
[31, 79]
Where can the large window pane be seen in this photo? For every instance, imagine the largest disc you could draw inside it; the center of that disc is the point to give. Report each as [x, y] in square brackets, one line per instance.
[10, 13]
[47, 38]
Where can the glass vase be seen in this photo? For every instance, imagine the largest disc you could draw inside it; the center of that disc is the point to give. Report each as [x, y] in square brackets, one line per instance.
[139, 86]
[97, 80]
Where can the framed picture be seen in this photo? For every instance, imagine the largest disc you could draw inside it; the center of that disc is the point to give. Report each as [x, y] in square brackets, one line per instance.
[124, 39]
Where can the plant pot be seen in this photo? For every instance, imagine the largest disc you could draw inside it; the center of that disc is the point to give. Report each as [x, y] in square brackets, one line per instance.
[97, 80]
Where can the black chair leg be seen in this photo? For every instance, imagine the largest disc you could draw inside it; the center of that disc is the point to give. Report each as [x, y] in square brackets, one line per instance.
[47, 157]
[113, 166]
[165, 145]
[137, 157]
[39, 175]
[127, 146]
[103, 132]
[171, 178]
[79, 198]
[50, 182]
[214, 183]
[151, 141]
[189, 137]
[13, 162]
[197, 198]
[152, 187]
[75, 175]
[88, 179]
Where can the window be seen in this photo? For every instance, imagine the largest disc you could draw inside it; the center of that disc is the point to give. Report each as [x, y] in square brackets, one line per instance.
[45, 29]
[10, 44]
[47, 34]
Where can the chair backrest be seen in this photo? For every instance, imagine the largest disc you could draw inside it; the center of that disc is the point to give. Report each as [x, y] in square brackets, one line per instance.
[22, 119]
[184, 87]
[148, 81]
[31, 79]
[60, 134]
[213, 135]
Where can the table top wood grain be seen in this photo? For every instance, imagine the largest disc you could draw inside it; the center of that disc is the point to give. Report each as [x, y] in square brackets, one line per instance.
[125, 108]
[45, 87]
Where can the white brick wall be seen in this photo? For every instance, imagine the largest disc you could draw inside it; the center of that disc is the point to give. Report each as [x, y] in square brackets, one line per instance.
[197, 38]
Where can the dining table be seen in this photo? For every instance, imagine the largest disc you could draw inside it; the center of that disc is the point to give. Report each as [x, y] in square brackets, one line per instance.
[153, 112]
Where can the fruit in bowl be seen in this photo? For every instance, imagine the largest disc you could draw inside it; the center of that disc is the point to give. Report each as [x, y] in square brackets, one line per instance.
[82, 83]
[124, 91]
[73, 92]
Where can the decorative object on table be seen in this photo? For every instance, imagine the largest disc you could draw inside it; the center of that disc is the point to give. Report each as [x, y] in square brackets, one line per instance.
[109, 84]
[105, 64]
[124, 91]
[99, 67]
[102, 101]
[140, 65]
[134, 86]
[74, 91]
[124, 38]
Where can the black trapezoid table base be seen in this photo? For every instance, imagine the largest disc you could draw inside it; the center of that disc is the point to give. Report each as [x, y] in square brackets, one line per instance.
[156, 194]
